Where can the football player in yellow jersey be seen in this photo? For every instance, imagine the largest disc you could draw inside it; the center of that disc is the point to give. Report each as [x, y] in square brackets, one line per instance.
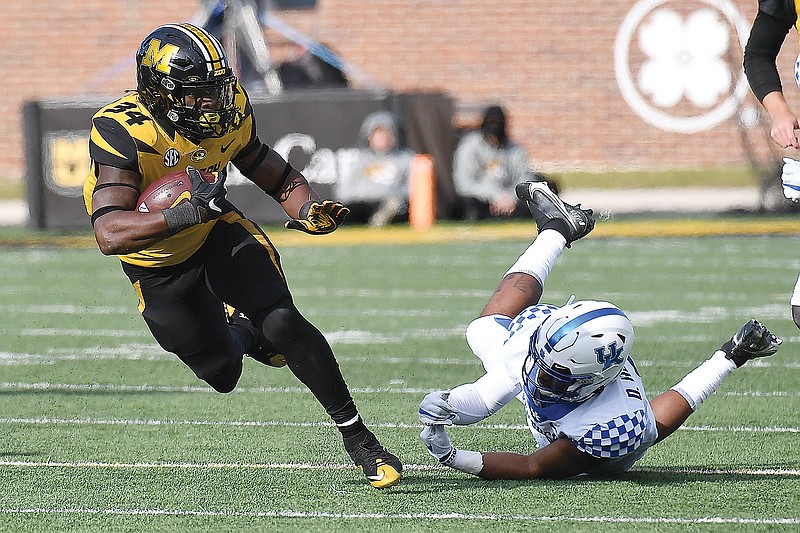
[189, 111]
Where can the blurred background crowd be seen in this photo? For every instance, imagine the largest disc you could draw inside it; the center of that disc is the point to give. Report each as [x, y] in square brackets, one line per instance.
[614, 90]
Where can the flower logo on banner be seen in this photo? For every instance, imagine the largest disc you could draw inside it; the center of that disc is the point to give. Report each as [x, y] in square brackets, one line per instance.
[684, 58]
[683, 81]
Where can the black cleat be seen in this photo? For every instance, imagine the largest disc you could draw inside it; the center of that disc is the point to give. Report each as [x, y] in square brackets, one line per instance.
[550, 211]
[262, 350]
[382, 468]
[751, 342]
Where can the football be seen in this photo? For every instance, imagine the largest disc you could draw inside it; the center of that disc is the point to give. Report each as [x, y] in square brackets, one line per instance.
[168, 191]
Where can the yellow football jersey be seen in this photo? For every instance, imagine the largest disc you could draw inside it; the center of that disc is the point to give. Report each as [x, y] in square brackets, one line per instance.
[125, 135]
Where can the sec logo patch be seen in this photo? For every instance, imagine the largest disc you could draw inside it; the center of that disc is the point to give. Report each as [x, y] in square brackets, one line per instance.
[172, 157]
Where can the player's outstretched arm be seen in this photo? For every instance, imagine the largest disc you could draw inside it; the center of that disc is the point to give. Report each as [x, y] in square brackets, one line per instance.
[558, 460]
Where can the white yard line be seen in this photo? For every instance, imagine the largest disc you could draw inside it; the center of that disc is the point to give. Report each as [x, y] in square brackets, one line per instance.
[788, 472]
[287, 513]
[89, 387]
[283, 423]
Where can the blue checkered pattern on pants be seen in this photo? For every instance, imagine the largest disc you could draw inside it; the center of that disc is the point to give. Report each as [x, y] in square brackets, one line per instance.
[616, 438]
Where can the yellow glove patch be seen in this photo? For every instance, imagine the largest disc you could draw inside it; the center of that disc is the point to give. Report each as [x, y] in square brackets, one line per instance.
[319, 218]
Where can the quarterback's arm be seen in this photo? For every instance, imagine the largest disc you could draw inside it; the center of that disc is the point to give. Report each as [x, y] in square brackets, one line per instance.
[118, 227]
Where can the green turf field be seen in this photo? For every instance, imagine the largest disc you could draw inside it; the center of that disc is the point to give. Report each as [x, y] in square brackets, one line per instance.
[101, 430]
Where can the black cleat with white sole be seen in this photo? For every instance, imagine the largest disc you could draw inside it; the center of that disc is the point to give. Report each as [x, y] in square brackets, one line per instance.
[550, 212]
[754, 340]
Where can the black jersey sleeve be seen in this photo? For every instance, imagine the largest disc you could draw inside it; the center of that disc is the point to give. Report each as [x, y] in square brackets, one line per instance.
[111, 144]
[782, 9]
[766, 38]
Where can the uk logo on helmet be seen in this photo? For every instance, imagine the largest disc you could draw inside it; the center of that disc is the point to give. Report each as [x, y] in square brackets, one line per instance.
[611, 357]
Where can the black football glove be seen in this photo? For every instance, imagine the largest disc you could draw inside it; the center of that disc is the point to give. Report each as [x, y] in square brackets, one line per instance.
[207, 198]
[205, 203]
[319, 218]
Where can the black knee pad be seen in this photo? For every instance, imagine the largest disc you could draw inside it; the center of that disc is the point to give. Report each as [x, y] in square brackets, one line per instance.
[284, 324]
[221, 374]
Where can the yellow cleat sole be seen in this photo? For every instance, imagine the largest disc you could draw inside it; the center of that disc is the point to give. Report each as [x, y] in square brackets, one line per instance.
[389, 477]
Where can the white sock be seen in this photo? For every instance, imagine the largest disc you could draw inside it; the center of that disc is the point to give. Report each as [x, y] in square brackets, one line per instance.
[796, 293]
[701, 382]
[541, 255]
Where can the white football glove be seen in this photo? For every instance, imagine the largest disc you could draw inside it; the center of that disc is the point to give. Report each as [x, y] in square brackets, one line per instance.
[436, 410]
[790, 179]
[437, 441]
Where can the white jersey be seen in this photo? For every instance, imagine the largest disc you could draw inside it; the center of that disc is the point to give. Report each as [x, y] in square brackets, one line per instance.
[617, 424]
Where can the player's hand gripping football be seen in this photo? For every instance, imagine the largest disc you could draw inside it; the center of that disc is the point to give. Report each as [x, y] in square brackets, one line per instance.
[205, 202]
[207, 197]
[319, 218]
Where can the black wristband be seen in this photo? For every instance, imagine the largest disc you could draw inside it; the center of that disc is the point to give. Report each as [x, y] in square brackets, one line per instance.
[181, 217]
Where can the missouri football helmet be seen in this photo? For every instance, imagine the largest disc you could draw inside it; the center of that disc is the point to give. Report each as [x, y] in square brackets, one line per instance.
[575, 352]
[184, 77]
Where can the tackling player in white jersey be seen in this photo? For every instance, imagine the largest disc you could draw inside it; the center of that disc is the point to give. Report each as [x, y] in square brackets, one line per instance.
[571, 368]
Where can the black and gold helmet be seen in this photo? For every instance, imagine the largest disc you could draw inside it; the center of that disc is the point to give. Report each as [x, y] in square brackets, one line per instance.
[184, 76]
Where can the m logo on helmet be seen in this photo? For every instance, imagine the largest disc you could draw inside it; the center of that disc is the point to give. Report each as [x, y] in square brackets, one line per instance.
[611, 357]
[158, 56]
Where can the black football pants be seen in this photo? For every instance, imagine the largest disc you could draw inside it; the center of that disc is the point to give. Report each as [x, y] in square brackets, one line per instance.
[183, 307]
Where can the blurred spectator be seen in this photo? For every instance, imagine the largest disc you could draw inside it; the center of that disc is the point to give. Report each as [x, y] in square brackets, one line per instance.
[308, 70]
[487, 166]
[374, 177]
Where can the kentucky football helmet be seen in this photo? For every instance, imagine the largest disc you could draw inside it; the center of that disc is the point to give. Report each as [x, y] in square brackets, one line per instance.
[184, 77]
[575, 352]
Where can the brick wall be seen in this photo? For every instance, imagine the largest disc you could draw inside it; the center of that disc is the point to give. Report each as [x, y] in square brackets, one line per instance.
[551, 64]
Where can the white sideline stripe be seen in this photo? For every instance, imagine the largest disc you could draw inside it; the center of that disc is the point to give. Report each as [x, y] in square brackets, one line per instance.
[283, 423]
[287, 513]
[288, 390]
